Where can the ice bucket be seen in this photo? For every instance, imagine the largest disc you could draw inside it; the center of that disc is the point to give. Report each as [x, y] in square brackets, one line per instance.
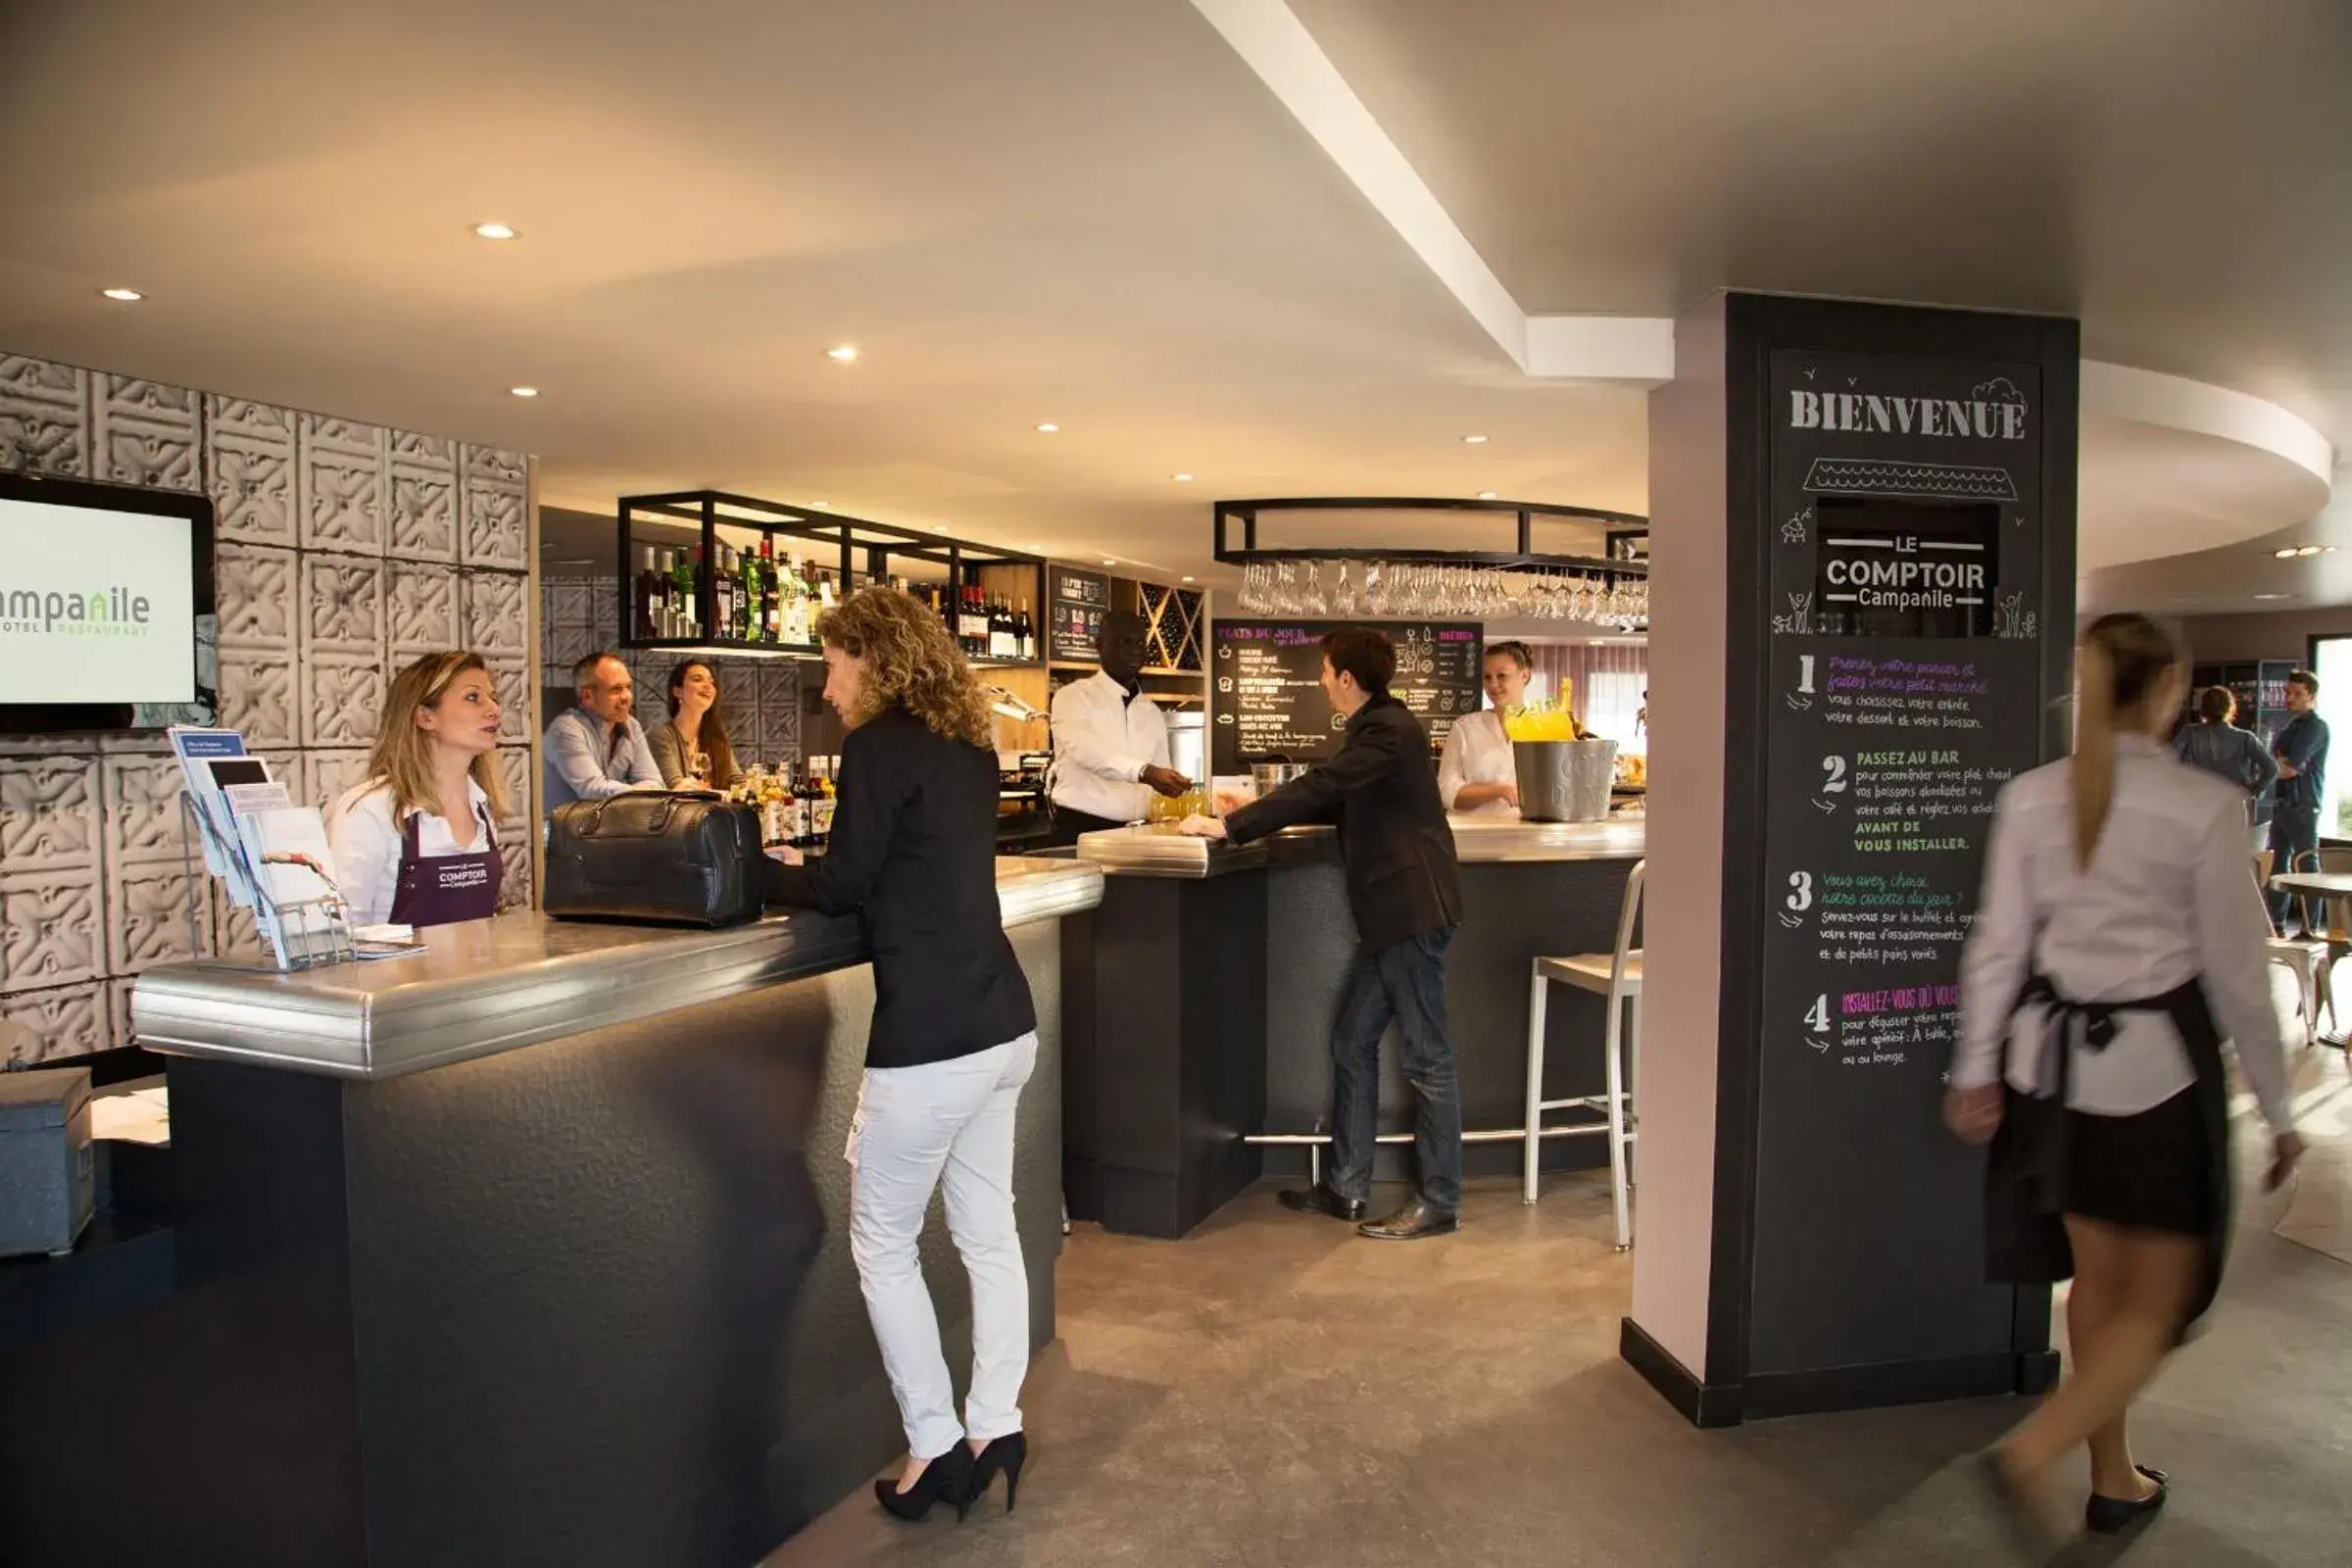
[1564, 781]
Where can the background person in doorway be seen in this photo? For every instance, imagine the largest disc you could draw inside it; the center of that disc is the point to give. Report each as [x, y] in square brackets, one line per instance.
[2215, 743]
[2117, 941]
[1110, 742]
[1475, 770]
[2301, 749]
[1406, 893]
[596, 749]
[692, 749]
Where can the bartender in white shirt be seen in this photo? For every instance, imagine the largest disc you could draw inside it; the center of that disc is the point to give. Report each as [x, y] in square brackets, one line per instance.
[412, 842]
[2118, 940]
[1475, 769]
[1110, 743]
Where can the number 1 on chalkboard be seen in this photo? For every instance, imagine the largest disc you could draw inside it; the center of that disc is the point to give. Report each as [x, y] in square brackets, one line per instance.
[1805, 674]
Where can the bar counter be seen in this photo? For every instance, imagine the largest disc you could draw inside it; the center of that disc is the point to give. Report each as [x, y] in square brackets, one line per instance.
[529, 1248]
[1198, 998]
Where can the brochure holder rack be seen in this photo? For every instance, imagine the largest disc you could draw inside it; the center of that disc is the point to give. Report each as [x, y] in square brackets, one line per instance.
[311, 931]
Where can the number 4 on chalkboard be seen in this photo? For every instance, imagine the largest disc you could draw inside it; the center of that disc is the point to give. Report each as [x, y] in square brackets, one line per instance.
[1817, 1017]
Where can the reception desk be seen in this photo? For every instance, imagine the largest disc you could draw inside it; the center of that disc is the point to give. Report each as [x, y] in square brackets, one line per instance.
[1199, 1000]
[528, 1248]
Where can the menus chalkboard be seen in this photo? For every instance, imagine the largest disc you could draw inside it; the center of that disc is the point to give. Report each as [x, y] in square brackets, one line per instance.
[1269, 697]
[1904, 689]
[1074, 605]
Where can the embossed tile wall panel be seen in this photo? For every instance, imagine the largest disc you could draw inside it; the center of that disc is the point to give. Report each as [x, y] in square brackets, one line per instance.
[257, 590]
[421, 613]
[515, 768]
[313, 613]
[497, 612]
[341, 484]
[146, 433]
[44, 416]
[61, 1021]
[513, 679]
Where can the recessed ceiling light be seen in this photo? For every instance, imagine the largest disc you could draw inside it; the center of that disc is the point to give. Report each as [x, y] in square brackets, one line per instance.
[846, 353]
[1048, 427]
[2274, 596]
[1112, 563]
[822, 506]
[525, 391]
[1181, 479]
[494, 231]
[1188, 579]
[2308, 550]
[2288, 554]
[126, 295]
[1486, 495]
[1474, 440]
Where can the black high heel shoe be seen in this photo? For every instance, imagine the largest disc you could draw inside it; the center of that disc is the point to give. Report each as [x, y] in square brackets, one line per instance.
[946, 1479]
[1006, 1453]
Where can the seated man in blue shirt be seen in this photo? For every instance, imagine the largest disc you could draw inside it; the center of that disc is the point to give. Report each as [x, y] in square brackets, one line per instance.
[596, 749]
[2302, 753]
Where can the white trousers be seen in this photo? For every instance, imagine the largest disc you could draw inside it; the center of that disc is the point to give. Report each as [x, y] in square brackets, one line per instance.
[914, 1127]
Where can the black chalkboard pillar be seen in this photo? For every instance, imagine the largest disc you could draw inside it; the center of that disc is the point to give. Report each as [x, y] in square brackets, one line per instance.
[1862, 602]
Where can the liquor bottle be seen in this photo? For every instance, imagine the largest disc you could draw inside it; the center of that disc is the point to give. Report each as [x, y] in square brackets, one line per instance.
[684, 622]
[771, 609]
[825, 598]
[641, 595]
[793, 608]
[1026, 630]
[971, 623]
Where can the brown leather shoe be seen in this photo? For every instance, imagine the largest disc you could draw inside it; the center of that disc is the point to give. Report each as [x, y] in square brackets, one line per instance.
[1410, 1223]
[1321, 1200]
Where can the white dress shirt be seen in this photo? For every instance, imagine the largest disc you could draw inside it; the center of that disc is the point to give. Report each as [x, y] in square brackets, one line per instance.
[1101, 744]
[2168, 897]
[365, 840]
[1477, 751]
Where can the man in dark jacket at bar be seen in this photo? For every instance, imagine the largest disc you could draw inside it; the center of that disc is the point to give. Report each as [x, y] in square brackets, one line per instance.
[1405, 892]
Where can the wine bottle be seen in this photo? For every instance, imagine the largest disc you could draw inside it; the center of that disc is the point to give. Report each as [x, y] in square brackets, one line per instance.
[684, 622]
[771, 612]
[971, 626]
[641, 594]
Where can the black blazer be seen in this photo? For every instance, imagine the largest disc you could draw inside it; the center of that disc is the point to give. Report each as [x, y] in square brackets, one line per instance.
[914, 852]
[1383, 792]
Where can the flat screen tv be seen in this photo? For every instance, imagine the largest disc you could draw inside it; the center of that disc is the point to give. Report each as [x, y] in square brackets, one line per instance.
[107, 620]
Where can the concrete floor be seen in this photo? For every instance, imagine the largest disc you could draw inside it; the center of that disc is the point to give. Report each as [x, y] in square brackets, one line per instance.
[1275, 1390]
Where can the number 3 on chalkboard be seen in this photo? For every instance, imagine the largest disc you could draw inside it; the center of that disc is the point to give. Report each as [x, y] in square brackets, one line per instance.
[1835, 768]
[1817, 1017]
[1800, 894]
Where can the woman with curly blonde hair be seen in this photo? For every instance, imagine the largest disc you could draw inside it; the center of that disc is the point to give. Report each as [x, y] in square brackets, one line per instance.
[954, 1035]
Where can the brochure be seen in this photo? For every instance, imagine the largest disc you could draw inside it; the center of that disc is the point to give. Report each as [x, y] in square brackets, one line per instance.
[301, 909]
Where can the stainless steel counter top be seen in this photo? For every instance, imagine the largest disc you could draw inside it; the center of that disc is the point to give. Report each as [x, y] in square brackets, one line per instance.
[1161, 851]
[487, 986]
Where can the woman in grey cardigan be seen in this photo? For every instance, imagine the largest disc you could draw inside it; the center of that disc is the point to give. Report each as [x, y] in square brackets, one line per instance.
[696, 730]
[2218, 746]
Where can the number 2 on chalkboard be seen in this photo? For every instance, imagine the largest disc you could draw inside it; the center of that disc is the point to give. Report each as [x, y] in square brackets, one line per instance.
[1835, 768]
[1805, 674]
[1817, 1017]
[1800, 895]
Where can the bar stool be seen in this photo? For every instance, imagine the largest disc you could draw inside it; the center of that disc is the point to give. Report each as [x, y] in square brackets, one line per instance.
[1617, 976]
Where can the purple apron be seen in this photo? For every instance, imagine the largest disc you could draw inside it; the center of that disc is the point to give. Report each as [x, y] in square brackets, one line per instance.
[443, 889]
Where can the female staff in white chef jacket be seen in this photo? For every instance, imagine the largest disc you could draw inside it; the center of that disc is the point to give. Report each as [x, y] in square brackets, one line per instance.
[412, 842]
[1475, 771]
[2117, 941]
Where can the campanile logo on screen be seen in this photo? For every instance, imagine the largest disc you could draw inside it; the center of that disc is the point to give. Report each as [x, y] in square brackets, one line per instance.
[113, 610]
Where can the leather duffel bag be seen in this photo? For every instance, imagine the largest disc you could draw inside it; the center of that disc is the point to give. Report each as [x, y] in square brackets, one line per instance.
[658, 857]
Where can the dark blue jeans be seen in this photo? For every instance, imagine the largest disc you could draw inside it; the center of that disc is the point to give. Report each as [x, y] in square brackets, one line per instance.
[2294, 847]
[1405, 982]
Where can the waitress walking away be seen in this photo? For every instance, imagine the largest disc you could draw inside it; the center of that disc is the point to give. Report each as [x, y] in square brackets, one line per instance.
[412, 841]
[954, 1037]
[2118, 940]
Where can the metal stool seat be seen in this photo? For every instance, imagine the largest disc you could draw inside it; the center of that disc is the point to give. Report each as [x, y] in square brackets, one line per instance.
[1617, 976]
